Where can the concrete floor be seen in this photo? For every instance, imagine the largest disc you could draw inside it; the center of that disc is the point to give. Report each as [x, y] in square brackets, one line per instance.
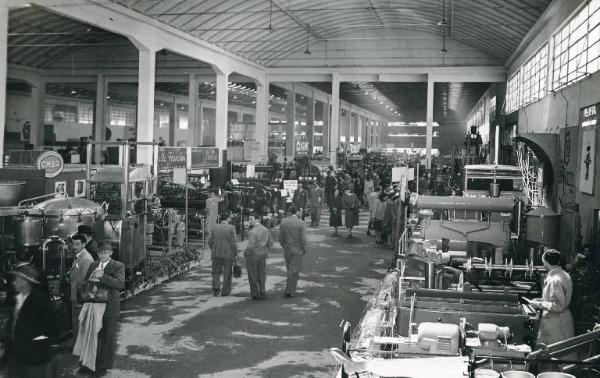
[180, 330]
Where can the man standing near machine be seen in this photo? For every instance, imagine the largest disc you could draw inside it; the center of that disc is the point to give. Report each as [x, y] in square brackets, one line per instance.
[82, 261]
[556, 323]
[292, 236]
[91, 245]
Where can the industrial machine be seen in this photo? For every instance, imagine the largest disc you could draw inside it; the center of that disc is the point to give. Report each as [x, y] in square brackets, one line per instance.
[413, 332]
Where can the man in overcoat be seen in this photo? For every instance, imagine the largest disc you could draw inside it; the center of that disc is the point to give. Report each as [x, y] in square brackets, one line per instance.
[292, 236]
[109, 273]
[81, 263]
[223, 250]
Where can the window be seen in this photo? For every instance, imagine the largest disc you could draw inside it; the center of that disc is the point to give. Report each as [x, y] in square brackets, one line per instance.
[576, 47]
[512, 93]
[85, 113]
[183, 122]
[121, 116]
[534, 77]
[161, 117]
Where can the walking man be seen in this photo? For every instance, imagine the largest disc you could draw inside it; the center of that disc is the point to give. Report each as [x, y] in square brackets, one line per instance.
[259, 243]
[316, 201]
[223, 250]
[292, 236]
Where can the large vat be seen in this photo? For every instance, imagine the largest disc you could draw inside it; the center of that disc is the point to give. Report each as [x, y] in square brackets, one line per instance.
[542, 226]
[11, 192]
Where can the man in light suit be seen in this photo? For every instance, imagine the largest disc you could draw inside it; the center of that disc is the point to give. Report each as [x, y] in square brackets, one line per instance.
[109, 274]
[223, 250]
[292, 236]
[81, 263]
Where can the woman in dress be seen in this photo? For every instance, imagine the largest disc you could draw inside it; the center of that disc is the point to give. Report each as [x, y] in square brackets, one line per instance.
[335, 212]
[351, 205]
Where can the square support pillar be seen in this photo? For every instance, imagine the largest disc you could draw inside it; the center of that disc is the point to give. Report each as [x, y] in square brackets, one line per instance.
[193, 127]
[334, 126]
[145, 109]
[38, 100]
[429, 134]
[172, 121]
[3, 69]
[99, 131]
[201, 131]
[262, 120]
[290, 125]
[221, 116]
[326, 125]
[310, 123]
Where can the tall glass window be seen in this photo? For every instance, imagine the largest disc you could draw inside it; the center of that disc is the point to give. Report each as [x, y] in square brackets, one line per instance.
[513, 100]
[576, 47]
[534, 77]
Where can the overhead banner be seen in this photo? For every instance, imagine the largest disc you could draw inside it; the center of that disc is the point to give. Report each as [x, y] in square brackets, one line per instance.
[170, 158]
[204, 157]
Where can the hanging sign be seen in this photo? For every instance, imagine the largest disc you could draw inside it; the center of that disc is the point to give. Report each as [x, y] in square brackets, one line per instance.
[399, 174]
[250, 169]
[589, 116]
[170, 158]
[290, 185]
[204, 157]
[51, 162]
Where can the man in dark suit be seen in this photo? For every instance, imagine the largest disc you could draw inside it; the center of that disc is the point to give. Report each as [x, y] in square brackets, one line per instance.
[32, 326]
[109, 274]
[292, 236]
[223, 250]
[91, 244]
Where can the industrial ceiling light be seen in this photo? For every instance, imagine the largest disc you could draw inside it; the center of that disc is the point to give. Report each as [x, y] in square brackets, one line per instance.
[443, 23]
[270, 27]
[443, 50]
[307, 51]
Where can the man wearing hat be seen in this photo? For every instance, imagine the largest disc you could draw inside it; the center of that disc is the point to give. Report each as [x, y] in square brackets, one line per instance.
[91, 245]
[32, 326]
[108, 273]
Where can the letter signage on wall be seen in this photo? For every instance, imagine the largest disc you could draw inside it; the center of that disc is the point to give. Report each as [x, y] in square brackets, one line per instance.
[204, 157]
[170, 158]
[51, 162]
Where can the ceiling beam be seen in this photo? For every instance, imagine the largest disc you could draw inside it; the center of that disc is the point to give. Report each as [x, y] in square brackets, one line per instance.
[298, 20]
[376, 10]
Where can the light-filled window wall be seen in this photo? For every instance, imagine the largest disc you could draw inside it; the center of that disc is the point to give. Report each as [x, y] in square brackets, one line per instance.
[534, 74]
[576, 47]
[513, 94]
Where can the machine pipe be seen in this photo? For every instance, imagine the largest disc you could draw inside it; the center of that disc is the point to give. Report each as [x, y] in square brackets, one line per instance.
[465, 203]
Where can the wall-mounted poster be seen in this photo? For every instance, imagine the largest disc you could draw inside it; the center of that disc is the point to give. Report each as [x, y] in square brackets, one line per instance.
[587, 161]
[60, 187]
[79, 188]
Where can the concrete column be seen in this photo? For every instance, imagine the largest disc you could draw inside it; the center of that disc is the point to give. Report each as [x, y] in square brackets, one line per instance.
[201, 131]
[262, 119]
[310, 123]
[326, 125]
[334, 126]
[360, 130]
[193, 127]
[145, 109]
[38, 99]
[429, 136]
[290, 125]
[3, 65]
[221, 116]
[172, 121]
[100, 115]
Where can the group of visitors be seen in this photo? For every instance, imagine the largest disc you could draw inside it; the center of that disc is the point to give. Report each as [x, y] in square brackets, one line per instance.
[34, 325]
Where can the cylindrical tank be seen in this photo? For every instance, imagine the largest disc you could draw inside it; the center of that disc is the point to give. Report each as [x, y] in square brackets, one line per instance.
[555, 374]
[494, 190]
[481, 249]
[486, 373]
[517, 374]
[542, 226]
[11, 192]
[57, 216]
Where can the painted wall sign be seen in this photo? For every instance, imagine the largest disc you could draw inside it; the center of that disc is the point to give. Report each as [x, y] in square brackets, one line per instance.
[587, 161]
[51, 162]
[204, 157]
[589, 116]
[170, 158]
